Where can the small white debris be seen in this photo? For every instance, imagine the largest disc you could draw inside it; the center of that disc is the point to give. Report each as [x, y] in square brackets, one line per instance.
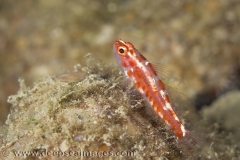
[64, 146]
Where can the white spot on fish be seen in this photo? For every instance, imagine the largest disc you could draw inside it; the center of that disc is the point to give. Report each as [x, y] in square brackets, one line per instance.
[168, 105]
[160, 114]
[183, 130]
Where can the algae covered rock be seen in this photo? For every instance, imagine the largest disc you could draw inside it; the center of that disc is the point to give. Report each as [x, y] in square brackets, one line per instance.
[98, 116]
[224, 113]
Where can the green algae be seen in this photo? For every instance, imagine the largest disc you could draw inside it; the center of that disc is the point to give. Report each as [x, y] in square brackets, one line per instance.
[98, 115]
[93, 114]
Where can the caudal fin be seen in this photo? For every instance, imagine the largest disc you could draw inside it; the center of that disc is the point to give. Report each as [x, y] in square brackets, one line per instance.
[190, 144]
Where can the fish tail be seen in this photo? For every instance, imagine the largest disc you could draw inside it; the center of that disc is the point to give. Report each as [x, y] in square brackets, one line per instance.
[190, 143]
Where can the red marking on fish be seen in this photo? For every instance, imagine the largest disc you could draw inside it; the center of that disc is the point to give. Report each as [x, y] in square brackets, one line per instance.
[141, 72]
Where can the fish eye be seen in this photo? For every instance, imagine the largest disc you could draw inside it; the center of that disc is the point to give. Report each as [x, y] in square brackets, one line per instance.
[121, 50]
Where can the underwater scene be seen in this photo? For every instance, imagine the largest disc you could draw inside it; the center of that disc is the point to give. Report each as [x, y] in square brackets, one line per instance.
[110, 80]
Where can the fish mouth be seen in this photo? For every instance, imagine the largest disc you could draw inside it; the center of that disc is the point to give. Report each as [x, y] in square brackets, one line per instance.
[115, 46]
